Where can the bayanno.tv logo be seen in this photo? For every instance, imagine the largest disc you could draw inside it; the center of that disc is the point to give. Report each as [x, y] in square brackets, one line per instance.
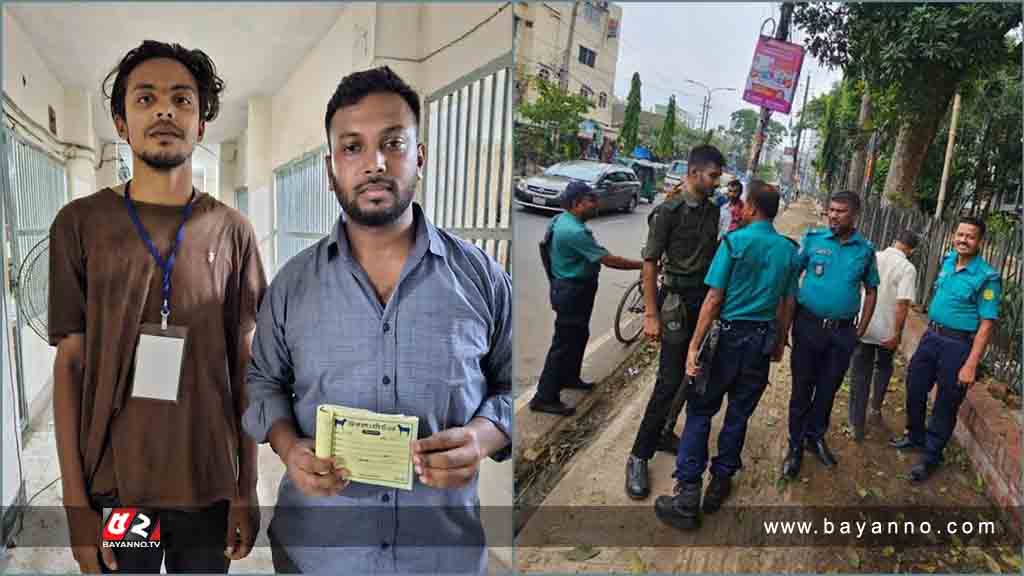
[130, 528]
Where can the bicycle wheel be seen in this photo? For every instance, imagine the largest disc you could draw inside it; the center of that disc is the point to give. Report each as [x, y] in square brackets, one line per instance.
[629, 318]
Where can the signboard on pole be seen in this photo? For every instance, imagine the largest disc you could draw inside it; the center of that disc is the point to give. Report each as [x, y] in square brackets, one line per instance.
[774, 74]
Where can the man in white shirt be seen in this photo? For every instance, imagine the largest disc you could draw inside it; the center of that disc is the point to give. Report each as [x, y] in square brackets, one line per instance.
[872, 361]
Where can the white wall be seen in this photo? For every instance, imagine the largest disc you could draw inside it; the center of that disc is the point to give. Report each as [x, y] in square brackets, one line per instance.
[228, 172]
[298, 107]
[41, 88]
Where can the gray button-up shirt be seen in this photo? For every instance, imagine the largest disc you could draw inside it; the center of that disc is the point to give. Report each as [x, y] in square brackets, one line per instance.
[441, 350]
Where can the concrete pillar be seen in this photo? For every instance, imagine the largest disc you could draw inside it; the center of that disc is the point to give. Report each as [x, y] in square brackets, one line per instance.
[228, 172]
[78, 131]
[259, 175]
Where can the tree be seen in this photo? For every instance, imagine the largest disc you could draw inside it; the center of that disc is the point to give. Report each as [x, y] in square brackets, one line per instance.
[667, 135]
[922, 52]
[558, 116]
[631, 122]
[743, 125]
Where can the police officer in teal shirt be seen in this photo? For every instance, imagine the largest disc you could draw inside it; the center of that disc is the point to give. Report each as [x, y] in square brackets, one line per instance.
[751, 283]
[961, 318]
[836, 262]
[575, 261]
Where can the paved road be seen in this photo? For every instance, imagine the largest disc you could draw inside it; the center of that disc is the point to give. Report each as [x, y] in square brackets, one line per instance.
[622, 234]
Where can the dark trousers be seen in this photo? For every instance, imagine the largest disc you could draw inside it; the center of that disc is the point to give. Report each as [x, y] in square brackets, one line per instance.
[818, 361]
[870, 371]
[191, 542]
[740, 369]
[283, 563]
[678, 312]
[938, 359]
[573, 303]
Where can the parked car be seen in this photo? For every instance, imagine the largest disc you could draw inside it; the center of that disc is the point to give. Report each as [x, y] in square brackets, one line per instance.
[676, 173]
[617, 187]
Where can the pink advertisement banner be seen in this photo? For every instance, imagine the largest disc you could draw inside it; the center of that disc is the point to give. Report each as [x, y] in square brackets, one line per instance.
[774, 74]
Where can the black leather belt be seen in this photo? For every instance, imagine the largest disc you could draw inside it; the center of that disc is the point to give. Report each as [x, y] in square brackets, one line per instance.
[826, 323]
[745, 325]
[950, 332]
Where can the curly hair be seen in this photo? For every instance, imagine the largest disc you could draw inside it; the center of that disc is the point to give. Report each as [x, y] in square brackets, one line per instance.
[209, 84]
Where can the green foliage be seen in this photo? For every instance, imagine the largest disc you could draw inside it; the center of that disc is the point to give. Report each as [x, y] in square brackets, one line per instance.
[908, 47]
[631, 122]
[555, 117]
[742, 126]
[666, 138]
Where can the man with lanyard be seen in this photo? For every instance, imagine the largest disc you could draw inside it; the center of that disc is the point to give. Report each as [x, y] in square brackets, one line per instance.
[684, 230]
[871, 367]
[154, 288]
[962, 318]
[389, 314]
[836, 263]
[752, 281]
[575, 262]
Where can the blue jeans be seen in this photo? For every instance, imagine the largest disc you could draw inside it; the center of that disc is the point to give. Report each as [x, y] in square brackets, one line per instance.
[937, 359]
[740, 369]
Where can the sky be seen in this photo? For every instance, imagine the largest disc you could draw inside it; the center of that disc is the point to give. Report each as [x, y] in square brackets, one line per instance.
[709, 43]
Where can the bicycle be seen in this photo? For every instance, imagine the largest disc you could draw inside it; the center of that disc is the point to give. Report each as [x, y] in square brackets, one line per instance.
[629, 317]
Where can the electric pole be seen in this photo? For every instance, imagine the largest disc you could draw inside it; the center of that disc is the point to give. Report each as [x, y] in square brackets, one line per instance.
[563, 75]
[800, 130]
[781, 33]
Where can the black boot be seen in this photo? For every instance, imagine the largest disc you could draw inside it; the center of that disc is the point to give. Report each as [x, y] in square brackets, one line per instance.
[791, 465]
[681, 511]
[718, 490]
[668, 442]
[637, 484]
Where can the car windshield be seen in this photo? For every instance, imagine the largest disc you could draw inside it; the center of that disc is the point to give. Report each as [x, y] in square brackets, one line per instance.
[588, 172]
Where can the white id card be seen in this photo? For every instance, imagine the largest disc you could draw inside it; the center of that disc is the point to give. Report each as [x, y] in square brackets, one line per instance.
[158, 360]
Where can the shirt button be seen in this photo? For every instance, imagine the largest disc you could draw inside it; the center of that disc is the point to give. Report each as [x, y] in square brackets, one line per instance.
[386, 497]
[386, 380]
[387, 327]
[384, 545]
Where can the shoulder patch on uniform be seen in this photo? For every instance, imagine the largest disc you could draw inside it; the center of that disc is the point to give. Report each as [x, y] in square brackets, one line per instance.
[989, 294]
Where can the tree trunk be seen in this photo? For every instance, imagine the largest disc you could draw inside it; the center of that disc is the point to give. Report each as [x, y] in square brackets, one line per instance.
[915, 135]
[855, 182]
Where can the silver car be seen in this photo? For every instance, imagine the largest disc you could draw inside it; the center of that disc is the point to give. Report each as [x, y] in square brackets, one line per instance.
[617, 186]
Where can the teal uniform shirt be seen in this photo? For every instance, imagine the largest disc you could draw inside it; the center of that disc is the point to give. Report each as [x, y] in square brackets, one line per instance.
[755, 266]
[834, 272]
[963, 298]
[575, 255]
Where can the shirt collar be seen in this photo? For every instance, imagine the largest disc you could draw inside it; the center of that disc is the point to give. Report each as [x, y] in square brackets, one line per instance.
[973, 267]
[896, 252]
[761, 225]
[855, 237]
[425, 232]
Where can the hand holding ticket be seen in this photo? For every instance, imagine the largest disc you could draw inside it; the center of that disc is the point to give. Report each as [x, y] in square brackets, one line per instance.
[374, 448]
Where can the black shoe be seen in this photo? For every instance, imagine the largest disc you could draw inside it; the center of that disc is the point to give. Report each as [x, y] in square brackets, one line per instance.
[820, 449]
[558, 407]
[668, 442]
[637, 483]
[681, 511]
[904, 443]
[718, 490]
[791, 465]
[922, 471]
[580, 385]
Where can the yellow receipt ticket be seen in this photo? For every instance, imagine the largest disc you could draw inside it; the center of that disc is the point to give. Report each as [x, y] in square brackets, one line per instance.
[375, 448]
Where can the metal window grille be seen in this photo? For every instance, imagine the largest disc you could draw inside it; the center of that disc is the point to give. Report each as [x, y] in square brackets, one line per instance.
[467, 181]
[304, 208]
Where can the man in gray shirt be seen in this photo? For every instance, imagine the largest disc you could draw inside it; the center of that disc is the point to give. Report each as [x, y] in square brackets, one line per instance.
[390, 314]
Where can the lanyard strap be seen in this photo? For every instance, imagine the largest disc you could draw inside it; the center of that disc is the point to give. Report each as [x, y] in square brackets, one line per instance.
[167, 266]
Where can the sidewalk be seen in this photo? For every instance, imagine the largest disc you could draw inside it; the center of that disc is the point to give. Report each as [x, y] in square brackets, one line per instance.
[869, 475]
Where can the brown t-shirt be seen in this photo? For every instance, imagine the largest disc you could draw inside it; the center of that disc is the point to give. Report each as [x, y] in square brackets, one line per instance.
[104, 283]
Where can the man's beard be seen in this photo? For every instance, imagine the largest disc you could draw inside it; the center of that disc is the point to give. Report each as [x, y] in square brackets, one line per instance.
[163, 161]
[350, 204]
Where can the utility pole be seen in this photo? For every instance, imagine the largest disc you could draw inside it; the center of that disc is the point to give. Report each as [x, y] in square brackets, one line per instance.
[563, 76]
[800, 129]
[781, 33]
